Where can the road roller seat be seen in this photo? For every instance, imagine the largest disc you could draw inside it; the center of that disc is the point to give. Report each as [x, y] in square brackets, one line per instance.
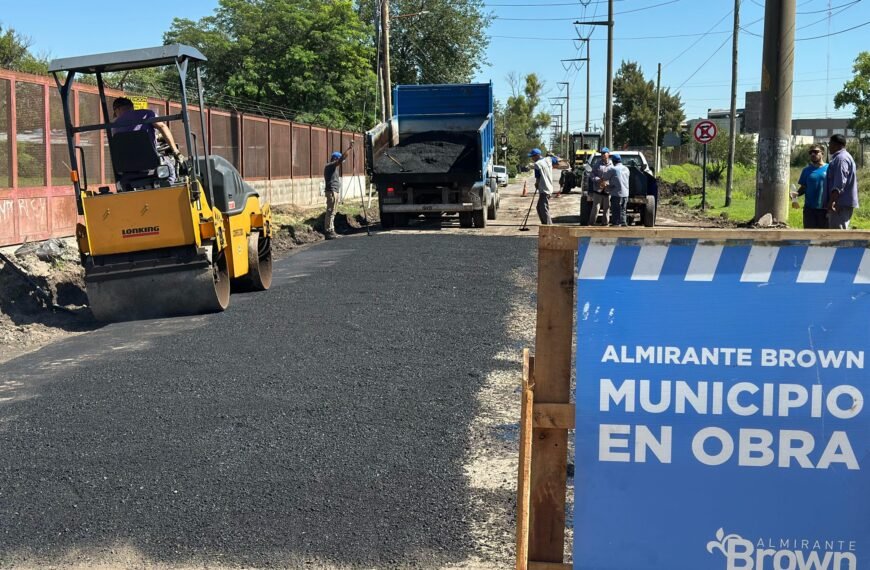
[134, 158]
[230, 191]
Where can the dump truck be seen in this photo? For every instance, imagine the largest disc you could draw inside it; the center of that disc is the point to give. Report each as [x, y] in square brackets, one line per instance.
[434, 156]
[174, 234]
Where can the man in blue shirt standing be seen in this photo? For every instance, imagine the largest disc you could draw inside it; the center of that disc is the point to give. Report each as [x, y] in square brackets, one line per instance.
[841, 185]
[811, 185]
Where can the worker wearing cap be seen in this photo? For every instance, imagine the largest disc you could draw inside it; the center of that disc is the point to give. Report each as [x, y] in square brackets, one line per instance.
[616, 181]
[332, 177]
[600, 196]
[543, 184]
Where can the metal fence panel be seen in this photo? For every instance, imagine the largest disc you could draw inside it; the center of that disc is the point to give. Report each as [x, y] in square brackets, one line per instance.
[91, 142]
[279, 150]
[5, 136]
[347, 167]
[59, 150]
[319, 149]
[359, 155]
[30, 134]
[177, 127]
[255, 134]
[225, 135]
[334, 143]
[301, 151]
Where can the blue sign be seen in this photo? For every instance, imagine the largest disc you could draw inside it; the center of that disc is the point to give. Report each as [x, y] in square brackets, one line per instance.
[720, 406]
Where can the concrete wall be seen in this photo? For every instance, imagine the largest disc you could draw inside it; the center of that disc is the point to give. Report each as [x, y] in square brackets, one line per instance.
[306, 192]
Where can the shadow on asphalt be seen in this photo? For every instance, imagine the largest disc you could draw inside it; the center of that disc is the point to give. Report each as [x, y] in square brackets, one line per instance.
[323, 422]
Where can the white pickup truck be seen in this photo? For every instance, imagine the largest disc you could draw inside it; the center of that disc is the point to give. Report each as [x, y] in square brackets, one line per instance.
[642, 193]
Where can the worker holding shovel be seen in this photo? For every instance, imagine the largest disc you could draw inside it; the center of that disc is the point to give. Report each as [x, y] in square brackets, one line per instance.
[543, 184]
[332, 176]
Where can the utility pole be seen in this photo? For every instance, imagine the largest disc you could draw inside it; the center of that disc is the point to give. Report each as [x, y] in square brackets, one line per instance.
[385, 34]
[732, 133]
[567, 115]
[608, 128]
[774, 141]
[588, 65]
[658, 115]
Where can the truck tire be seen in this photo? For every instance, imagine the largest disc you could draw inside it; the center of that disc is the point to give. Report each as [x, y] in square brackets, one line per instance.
[401, 220]
[648, 215]
[479, 218]
[465, 220]
[492, 211]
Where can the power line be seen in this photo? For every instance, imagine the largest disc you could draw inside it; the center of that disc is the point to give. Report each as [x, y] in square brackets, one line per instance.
[834, 33]
[615, 13]
[705, 62]
[704, 35]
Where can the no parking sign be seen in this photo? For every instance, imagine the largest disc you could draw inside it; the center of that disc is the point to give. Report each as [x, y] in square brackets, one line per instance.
[720, 405]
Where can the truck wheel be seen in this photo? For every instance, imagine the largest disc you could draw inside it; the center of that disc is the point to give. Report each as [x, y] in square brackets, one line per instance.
[492, 211]
[388, 221]
[465, 219]
[649, 212]
[585, 211]
[479, 218]
[401, 220]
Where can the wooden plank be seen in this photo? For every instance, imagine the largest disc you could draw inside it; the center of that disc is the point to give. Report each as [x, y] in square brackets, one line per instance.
[562, 238]
[556, 416]
[525, 462]
[555, 328]
[550, 566]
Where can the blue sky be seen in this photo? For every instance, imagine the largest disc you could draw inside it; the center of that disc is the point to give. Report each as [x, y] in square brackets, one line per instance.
[821, 68]
[647, 31]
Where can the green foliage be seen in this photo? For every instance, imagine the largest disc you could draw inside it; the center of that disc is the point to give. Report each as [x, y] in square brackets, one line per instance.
[717, 151]
[311, 56]
[445, 45]
[524, 120]
[15, 53]
[856, 92]
[634, 108]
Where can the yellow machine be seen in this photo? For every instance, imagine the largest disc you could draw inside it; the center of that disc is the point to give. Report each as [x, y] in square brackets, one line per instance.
[174, 233]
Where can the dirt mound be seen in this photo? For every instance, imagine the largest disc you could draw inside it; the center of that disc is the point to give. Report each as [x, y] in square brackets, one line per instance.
[27, 321]
[428, 153]
[678, 188]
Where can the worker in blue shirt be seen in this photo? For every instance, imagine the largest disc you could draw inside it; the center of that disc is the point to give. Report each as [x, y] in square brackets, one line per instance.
[811, 185]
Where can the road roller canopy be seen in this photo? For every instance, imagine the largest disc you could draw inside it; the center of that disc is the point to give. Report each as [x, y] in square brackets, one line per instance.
[127, 60]
[128, 149]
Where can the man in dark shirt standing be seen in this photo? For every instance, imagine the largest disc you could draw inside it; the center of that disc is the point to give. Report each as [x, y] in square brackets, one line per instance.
[332, 176]
[841, 185]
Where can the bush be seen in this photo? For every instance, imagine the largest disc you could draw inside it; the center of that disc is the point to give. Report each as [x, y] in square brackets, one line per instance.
[799, 155]
[512, 170]
[716, 172]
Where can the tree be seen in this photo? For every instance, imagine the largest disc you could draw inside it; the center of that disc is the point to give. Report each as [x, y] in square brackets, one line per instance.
[434, 41]
[634, 108]
[856, 92]
[15, 53]
[312, 56]
[524, 120]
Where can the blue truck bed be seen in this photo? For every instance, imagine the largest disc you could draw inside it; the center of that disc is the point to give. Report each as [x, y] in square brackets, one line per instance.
[423, 111]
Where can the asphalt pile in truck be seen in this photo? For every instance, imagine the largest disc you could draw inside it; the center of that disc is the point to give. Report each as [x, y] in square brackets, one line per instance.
[430, 152]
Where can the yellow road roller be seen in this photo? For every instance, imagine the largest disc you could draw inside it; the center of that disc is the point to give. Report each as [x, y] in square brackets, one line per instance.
[175, 233]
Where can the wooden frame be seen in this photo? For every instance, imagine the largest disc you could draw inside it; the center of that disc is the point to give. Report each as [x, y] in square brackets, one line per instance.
[547, 413]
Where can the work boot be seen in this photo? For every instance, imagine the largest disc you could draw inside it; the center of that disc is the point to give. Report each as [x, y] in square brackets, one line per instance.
[331, 235]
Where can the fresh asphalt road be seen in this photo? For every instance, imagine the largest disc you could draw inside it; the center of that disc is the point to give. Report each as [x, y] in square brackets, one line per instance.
[323, 423]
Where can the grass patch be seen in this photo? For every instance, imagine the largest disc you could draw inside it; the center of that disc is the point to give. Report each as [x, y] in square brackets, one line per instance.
[742, 207]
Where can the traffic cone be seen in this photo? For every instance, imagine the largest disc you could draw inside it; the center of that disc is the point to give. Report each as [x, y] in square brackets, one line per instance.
[524, 194]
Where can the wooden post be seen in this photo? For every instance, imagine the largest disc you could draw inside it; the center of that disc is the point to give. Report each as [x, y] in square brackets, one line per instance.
[555, 330]
[525, 462]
